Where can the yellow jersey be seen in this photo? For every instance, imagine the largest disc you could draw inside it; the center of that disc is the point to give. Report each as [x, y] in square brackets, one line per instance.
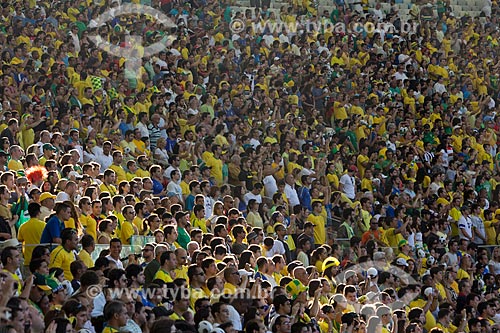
[30, 234]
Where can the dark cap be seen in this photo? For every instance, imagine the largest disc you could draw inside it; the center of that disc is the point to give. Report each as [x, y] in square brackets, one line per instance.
[180, 215]
[309, 224]
[251, 236]
[204, 167]
[41, 282]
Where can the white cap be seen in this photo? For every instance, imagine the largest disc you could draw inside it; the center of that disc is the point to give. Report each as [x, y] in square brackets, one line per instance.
[372, 272]
[205, 327]
[401, 262]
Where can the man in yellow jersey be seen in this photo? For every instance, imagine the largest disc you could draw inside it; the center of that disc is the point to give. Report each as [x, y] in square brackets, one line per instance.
[63, 255]
[197, 288]
[168, 262]
[319, 222]
[30, 232]
[143, 164]
[117, 167]
[11, 260]
[128, 229]
[108, 182]
[115, 315]
[181, 305]
[48, 153]
[88, 246]
[16, 153]
[234, 282]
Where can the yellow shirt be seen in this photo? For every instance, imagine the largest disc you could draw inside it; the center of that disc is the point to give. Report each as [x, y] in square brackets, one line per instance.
[90, 225]
[362, 159]
[197, 294]
[111, 189]
[461, 274]
[142, 173]
[491, 234]
[392, 238]
[15, 165]
[127, 232]
[216, 165]
[333, 179]
[430, 321]
[86, 258]
[181, 273]
[319, 229]
[229, 288]
[30, 234]
[61, 258]
[109, 329]
[120, 172]
[441, 290]
[138, 223]
[185, 188]
[164, 276]
[199, 223]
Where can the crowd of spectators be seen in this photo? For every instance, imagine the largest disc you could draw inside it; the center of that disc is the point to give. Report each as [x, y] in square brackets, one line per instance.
[247, 177]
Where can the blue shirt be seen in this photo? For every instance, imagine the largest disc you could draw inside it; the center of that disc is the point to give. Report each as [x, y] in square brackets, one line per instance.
[157, 187]
[305, 197]
[190, 202]
[52, 230]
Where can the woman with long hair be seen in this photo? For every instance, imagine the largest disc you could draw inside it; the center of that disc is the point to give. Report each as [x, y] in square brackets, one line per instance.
[317, 257]
[106, 229]
[247, 261]
[74, 220]
[92, 192]
[124, 188]
[494, 264]
[217, 210]
[253, 217]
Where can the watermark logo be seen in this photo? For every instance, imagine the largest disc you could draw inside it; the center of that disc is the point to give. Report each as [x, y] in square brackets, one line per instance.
[165, 292]
[267, 26]
[370, 271]
[133, 49]
[236, 26]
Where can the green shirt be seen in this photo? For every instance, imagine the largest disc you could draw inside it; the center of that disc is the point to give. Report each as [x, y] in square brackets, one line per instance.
[183, 238]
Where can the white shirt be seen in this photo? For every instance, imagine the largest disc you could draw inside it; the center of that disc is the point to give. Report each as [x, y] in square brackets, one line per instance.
[348, 186]
[270, 185]
[466, 224]
[144, 130]
[277, 248]
[292, 195]
[162, 153]
[99, 303]
[235, 318]
[248, 196]
[63, 196]
[104, 160]
[208, 207]
[400, 76]
[255, 143]
[169, 170]
[173, 187]
[118, 262]
[439, 88]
